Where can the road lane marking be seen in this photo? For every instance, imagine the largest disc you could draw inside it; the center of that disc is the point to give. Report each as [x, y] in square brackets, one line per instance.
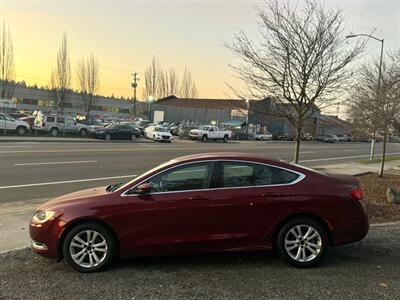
[57, 163]
[63, 182]
[306, 152]
[343, 157]
[349, 150]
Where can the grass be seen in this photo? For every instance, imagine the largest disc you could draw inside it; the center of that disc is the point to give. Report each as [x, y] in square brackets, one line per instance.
[377, 160]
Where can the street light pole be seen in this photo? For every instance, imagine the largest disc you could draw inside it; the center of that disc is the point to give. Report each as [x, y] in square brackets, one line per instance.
[134, 86]
[378, 92]
[247, 118]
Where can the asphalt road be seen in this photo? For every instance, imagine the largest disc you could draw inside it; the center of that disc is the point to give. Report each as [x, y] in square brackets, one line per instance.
[42, 170]
[366, 270]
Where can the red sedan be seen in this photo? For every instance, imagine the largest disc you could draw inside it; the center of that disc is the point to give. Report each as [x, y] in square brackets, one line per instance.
[204, 203]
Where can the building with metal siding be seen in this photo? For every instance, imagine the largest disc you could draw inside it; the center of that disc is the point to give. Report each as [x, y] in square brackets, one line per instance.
[200, 111]
[34, 98]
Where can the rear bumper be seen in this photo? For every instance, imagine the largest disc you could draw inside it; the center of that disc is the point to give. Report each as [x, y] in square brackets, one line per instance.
[351, 230]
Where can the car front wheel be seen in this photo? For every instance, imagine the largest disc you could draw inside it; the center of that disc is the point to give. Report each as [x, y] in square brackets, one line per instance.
[89, 247]
[21, 130]
[133, 138]
[302, 242]
[107, 137]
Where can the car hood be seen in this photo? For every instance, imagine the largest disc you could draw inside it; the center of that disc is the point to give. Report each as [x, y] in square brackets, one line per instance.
[195, 131]
[75, 197]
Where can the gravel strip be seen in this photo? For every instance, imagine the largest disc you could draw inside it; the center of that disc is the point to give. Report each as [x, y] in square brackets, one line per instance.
[366, 270]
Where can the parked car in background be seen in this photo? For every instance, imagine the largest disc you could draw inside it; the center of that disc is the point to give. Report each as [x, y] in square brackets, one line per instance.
[263, 136]
[158, 133]
[204, 203]
[330, 138]
[8, 123]
[210, 132]
[17, 115]
[118, 132]
[61, 124]
[30, 120]
[94, 128]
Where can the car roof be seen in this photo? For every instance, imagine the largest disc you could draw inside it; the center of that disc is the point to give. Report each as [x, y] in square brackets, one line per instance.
[224, 155]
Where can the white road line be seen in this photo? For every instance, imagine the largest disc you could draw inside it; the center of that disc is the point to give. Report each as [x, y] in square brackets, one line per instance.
[349, 150]
[306, 152]
[57, 163]
[63, 182]
[343, 157]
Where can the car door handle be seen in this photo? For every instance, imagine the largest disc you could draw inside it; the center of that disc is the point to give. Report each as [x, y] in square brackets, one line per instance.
[198, 198]
[267, 194]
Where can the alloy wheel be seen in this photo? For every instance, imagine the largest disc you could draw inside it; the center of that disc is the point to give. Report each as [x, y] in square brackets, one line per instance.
[88, 249]
[303, 243]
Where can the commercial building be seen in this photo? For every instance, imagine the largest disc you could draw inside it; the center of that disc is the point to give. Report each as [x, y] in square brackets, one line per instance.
[30, 98]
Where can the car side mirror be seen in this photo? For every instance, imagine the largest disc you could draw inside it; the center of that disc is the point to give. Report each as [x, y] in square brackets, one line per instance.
[143, 188]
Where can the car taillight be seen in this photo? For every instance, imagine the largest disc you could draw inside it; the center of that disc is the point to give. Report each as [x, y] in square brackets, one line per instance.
[357, 194]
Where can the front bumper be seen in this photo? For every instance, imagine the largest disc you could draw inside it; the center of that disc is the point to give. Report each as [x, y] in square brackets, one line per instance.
[45, 237]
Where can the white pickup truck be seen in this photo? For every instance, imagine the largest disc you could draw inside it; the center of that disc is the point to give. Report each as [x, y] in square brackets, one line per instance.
[210, 132]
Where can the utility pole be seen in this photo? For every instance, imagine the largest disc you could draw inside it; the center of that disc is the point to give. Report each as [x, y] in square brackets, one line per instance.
[134, 86]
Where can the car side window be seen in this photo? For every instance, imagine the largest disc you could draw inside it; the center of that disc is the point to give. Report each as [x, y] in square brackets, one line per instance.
[240, 174]
[60, 120]
[188, 177]
[70, 122]
[50, 119]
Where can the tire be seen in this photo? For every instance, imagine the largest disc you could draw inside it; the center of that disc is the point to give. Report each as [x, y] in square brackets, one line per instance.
[21, 130]
[204, 138]
[92, 260]
[225, 139]
[154, 138]
[133, 138]
[83, 132]
[107, 137]
[299, 252]
[54, 131]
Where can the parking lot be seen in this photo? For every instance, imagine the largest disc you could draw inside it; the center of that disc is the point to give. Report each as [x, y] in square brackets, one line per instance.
[374, 265]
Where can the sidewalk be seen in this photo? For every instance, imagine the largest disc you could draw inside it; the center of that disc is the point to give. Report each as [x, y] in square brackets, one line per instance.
[354, 168]
[15, 216]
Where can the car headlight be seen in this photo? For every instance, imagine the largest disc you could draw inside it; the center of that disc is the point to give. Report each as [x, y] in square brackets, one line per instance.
[42, 216]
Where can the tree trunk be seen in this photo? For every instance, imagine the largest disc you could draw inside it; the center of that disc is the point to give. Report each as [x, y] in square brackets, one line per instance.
[383, 154]
[297, 146]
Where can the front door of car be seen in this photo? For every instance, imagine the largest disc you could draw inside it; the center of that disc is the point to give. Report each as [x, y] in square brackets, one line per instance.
[71, 126]
[175, 216]
[248, 199]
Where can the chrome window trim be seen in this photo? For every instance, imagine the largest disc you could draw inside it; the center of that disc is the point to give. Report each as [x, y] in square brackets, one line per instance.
[300, 178]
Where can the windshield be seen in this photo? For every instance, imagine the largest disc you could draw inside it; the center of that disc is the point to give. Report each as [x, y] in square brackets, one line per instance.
[160, 129]
[205, 128]
[112, 126]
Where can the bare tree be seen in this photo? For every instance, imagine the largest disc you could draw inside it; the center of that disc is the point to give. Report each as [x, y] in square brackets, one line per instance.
[188, 87]
[377, 109]
[7, 66]
[87, 74]
[160, 83]
[61, 75]
[300, 61]
[152, 76]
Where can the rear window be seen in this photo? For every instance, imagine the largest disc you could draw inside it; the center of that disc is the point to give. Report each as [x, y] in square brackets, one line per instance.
[60, 120]
[50, 119]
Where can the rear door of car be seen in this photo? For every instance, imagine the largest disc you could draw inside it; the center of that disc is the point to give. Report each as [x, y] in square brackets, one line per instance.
[248, 199]
[176, 216]
[124, 132]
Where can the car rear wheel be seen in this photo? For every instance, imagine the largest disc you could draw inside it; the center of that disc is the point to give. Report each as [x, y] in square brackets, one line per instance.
[133, 138]
[225, 139]
[302, 242]
[107, 137]
[21, 130]
[54, 132]
[89, 247]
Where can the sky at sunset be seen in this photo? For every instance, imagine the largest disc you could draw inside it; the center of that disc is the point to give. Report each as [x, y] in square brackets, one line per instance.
[124, 35]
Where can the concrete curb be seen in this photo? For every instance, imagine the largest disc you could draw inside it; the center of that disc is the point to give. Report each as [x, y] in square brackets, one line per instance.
[15, 249]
